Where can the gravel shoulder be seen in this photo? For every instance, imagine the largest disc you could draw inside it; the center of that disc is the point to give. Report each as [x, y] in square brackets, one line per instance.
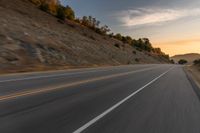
[194, 72]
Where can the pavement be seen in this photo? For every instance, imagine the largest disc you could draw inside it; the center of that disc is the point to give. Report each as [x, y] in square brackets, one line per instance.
[125, 99]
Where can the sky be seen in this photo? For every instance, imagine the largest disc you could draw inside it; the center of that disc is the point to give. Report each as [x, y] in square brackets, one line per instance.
[172, 25]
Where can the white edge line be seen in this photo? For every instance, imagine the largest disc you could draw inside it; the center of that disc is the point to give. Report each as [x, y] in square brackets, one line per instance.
[85, 126]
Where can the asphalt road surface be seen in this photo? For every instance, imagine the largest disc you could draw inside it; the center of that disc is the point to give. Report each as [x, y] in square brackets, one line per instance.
[124, 99]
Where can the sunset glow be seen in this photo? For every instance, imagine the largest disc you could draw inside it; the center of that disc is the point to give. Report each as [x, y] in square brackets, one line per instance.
[172, 25]
[180, 47]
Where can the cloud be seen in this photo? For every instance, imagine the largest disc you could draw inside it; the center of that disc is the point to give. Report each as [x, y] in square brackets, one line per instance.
[143, 16]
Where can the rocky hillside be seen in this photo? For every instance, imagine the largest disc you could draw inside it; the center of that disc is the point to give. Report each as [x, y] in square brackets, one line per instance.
[31, 39]
[189, 57]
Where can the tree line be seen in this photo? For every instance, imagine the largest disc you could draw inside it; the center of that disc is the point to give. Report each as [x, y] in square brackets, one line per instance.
[66, 12]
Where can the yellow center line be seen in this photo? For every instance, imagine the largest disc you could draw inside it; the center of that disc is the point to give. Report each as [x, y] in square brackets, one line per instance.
[38, 91]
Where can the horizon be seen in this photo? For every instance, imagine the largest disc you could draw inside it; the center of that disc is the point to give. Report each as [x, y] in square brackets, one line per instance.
[171, 25]
[63, 70]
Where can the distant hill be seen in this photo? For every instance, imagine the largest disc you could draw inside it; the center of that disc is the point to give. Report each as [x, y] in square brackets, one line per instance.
[189, 57]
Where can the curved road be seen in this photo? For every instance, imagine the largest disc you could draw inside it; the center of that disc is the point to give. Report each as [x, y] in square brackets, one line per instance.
[124, 99]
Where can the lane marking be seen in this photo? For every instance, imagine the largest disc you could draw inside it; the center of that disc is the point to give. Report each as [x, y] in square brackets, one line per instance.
[37, 91]
[91, 122]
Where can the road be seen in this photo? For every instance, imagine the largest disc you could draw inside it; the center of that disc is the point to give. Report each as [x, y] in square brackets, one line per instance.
[123, 99]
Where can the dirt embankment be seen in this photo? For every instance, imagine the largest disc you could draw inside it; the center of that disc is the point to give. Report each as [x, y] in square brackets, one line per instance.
[195, 73]
[32, 40]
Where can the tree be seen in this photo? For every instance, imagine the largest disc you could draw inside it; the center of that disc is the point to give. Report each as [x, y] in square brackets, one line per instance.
[147, 45]
[52, 5]
[85, 21]
[60, 12]
[97, 23]
[94, 23]
[157, 50]
[90, 21]
[104, 29]
[69, 13]
[127, 39]
[182, 61]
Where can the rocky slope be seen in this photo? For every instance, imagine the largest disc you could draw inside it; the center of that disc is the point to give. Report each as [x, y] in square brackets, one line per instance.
[31, 39]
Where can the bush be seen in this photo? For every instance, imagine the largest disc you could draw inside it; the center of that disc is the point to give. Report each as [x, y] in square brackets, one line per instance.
[127, 40]
[197, 62]
[69, 13]
[137, 60]
[172, 61]
[36, 2]
[182, 61]
[134, 52]
[60, 12]
[44, 7]
[118, 36]
[143, 44]
[117, 45]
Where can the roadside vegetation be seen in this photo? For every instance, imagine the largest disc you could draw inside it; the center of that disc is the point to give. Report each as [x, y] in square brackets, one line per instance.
[66, 13]
[182, 61]
[197, 62]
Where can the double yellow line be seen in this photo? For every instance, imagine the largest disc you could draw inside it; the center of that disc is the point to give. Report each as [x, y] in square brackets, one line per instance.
[48, 89]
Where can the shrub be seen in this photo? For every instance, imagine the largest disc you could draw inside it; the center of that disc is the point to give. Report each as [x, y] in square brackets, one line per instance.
[44, 7]
[117, 45]
[118, 36]
[139, 49]
[172, 61]
[165, 56]
[69, 13]
[197, 62]
[134, 52]
[143, 44]
[182, 61]
[137, 60]
[60, 12]
[36, 2]
[111, 35]
[127, 40]
[104, 30]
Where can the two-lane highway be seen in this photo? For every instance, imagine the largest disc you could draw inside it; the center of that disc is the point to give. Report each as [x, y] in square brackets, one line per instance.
[124, 99]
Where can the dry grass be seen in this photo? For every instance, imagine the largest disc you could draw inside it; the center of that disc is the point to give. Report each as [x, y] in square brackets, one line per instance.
[32, 40]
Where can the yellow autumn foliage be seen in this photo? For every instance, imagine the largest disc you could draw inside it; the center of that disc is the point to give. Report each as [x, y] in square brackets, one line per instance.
[52, 4]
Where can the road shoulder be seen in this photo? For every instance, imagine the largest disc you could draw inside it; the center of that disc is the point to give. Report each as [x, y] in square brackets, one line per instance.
[193, 75]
